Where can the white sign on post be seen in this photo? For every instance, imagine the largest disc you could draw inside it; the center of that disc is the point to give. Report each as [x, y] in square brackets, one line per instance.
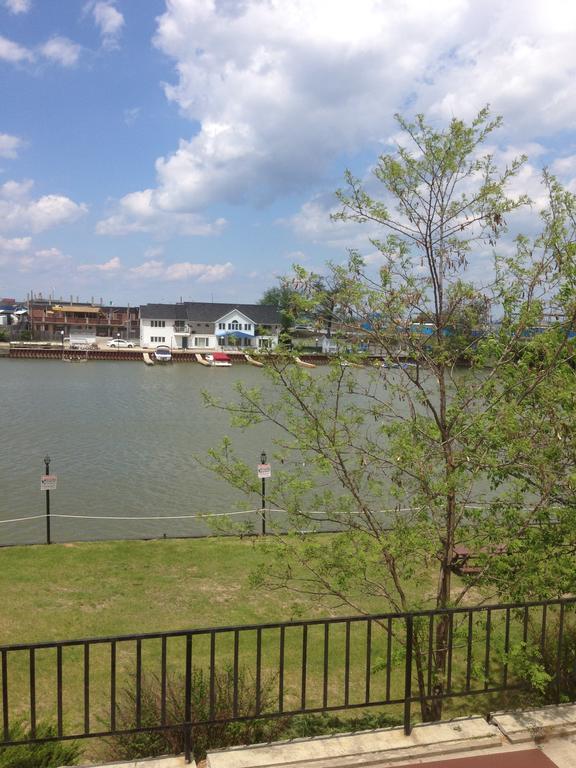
[264, 471]
[48, 482]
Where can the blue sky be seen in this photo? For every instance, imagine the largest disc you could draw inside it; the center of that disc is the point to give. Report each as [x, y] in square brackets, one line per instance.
[152, 150]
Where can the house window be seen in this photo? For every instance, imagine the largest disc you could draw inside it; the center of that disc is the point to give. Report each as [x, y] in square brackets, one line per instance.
[158, 339]
[247, 326]
[158, 323]
[202, 341]
[234, 325]
[222, 326]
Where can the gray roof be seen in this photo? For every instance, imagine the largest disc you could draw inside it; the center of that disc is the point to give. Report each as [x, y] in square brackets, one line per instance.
[209, 312]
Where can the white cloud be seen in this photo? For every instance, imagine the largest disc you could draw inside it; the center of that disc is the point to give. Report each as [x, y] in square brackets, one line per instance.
[141, 212]
[109, 21]
[186, 270]
[18, 6]
[18, 254]
[131, 115]
[281, 90]
[19, 211]
[565, 169]
[519, 57]
[57, 50]
[61, 50]
[45, 259]
[9, 146]
[111, 266]
[13, 52]
[14, 244]
[312, 221]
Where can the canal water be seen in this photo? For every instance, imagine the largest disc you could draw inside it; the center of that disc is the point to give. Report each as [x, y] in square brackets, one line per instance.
[122, 438]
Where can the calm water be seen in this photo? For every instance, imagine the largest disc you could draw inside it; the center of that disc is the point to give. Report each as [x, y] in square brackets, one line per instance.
[122, 438]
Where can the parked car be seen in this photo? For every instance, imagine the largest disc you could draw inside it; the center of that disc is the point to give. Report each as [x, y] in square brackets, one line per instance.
[120, 343]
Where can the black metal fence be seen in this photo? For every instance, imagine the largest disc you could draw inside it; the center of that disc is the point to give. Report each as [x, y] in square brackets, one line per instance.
[99, 687]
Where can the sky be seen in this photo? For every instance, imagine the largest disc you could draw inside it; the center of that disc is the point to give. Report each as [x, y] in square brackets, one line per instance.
[190, 149]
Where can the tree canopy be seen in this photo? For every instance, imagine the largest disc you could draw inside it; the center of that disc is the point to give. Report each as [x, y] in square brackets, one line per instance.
[458, 434]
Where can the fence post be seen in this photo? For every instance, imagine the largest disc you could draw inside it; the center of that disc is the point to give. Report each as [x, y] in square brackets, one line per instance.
[408, 674]
[188, 702]
[559, 653]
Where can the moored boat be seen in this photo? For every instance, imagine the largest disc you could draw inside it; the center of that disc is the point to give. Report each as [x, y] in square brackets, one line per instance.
[218, 360]
[163, 354]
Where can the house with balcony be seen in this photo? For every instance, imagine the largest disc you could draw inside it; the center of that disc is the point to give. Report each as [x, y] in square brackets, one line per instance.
[205, 326]
[54, 319]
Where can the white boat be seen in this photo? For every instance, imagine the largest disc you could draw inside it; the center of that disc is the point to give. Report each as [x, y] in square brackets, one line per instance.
[163, 354]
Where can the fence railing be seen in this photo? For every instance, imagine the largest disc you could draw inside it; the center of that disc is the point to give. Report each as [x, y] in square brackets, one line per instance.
[99, 687]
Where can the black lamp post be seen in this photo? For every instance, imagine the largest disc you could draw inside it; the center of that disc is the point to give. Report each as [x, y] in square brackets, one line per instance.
[62, 338]
[47, 465]
[263, 459]
[118, 340]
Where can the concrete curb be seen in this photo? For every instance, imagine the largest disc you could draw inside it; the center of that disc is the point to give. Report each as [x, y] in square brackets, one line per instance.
[365, 748]
[536, 724]
[151, 762]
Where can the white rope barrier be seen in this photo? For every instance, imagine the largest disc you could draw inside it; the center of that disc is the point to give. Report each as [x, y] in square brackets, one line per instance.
[218, 514]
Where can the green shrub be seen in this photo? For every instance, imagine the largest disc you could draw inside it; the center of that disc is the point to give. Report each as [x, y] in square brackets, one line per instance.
[305, 726]
[51, 754]
[153, 744]
[549, 656]
[220, 735]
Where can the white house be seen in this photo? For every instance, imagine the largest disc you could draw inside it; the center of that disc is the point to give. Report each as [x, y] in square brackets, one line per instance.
[204, 326]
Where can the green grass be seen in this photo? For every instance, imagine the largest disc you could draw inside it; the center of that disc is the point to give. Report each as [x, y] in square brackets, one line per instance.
[64, 592]
[83, 590]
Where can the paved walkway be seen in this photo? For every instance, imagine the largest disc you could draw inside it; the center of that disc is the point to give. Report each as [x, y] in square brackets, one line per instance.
[527, 758]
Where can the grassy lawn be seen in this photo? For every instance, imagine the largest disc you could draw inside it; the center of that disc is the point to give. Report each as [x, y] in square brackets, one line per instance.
[63, 592]
[66, 591]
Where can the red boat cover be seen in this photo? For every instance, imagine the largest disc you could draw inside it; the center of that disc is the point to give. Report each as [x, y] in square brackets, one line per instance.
[221, 357]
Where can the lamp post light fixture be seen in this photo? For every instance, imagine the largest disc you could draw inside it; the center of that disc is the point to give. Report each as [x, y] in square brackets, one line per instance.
[118, 340]
[47, 472]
